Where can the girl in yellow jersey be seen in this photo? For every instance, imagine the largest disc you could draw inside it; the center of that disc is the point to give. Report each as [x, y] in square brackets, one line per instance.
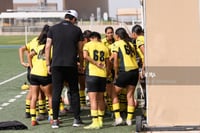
[108, 41]
[96, 72]
[39, 76]
[126, 74]
[27, 48]
[81, 78]
[41, 99]
[138, 35]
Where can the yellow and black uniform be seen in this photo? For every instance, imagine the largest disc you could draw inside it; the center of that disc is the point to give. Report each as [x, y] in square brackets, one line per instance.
[109, 46]
[39, 74]
[110, 77]
[32, 44]
[29, 46]
[128, 67]
[106, 43]
[139, 43]
[127, 73]
[95, 76]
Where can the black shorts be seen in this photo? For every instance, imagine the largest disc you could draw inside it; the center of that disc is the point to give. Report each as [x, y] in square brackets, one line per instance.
[127, 78]
[40, 80]
[28, 73]
[95, 84]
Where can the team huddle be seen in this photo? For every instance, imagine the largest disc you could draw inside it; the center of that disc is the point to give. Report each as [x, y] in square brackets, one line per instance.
[107, 69]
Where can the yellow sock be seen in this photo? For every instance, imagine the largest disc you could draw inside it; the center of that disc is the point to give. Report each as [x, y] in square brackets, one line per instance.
[105, 95]
[116, 110]
[82, 97]
[106, 100]
[61, 105]
[109, 102]
[94, 114]
[130, 110]
[47, 104]
[37, 108]
[28, 102]
[33, 114]
[51, 113]
[41, 106]
[123, 100]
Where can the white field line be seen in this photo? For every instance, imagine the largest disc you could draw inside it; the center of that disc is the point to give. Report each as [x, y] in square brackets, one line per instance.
[17, 96]
[17, 76]
[11, 100]
[5, 104]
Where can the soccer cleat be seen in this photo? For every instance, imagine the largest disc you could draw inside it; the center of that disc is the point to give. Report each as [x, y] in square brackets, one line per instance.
[118, 121]
[34, 123]
[70, 110]
[92, 126]
[63, 112]
[27, 115]
[40, 117]
[25, 86]
[55, 124]
[129, 122]
[100, 124]
[77, 123]
[51, 121]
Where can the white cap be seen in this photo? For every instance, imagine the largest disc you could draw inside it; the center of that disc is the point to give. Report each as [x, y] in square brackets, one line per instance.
[73, 13]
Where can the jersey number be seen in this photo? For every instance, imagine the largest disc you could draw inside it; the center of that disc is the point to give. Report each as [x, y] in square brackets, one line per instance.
[127, 50]
[96, 57]
[41, 55]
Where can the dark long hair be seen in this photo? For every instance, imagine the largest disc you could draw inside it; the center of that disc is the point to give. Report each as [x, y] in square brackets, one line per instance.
[42, 38]
[95, 34]
[121, 32]
[86, 34]
[138, 30]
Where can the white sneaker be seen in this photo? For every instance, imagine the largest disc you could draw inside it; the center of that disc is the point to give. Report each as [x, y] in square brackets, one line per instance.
[55, 124]
[129, 122]
[77, 123]
[118, 121]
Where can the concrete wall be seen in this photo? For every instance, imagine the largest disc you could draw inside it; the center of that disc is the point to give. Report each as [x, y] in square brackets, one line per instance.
[172, 56]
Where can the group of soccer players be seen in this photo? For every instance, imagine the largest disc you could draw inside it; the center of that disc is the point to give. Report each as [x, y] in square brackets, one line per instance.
[111, 75]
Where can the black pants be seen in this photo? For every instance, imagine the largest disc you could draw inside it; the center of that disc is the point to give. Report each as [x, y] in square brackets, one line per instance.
[70, 75]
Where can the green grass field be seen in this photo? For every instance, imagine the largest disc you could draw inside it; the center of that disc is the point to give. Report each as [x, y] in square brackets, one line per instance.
[10, 67]
[14, 40]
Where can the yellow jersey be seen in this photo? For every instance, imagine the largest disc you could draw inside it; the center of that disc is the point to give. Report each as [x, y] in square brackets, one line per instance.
[39, 65]
[31, 45]
[140, 42]
[98, 52]
[126, 61]
[107, 44]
